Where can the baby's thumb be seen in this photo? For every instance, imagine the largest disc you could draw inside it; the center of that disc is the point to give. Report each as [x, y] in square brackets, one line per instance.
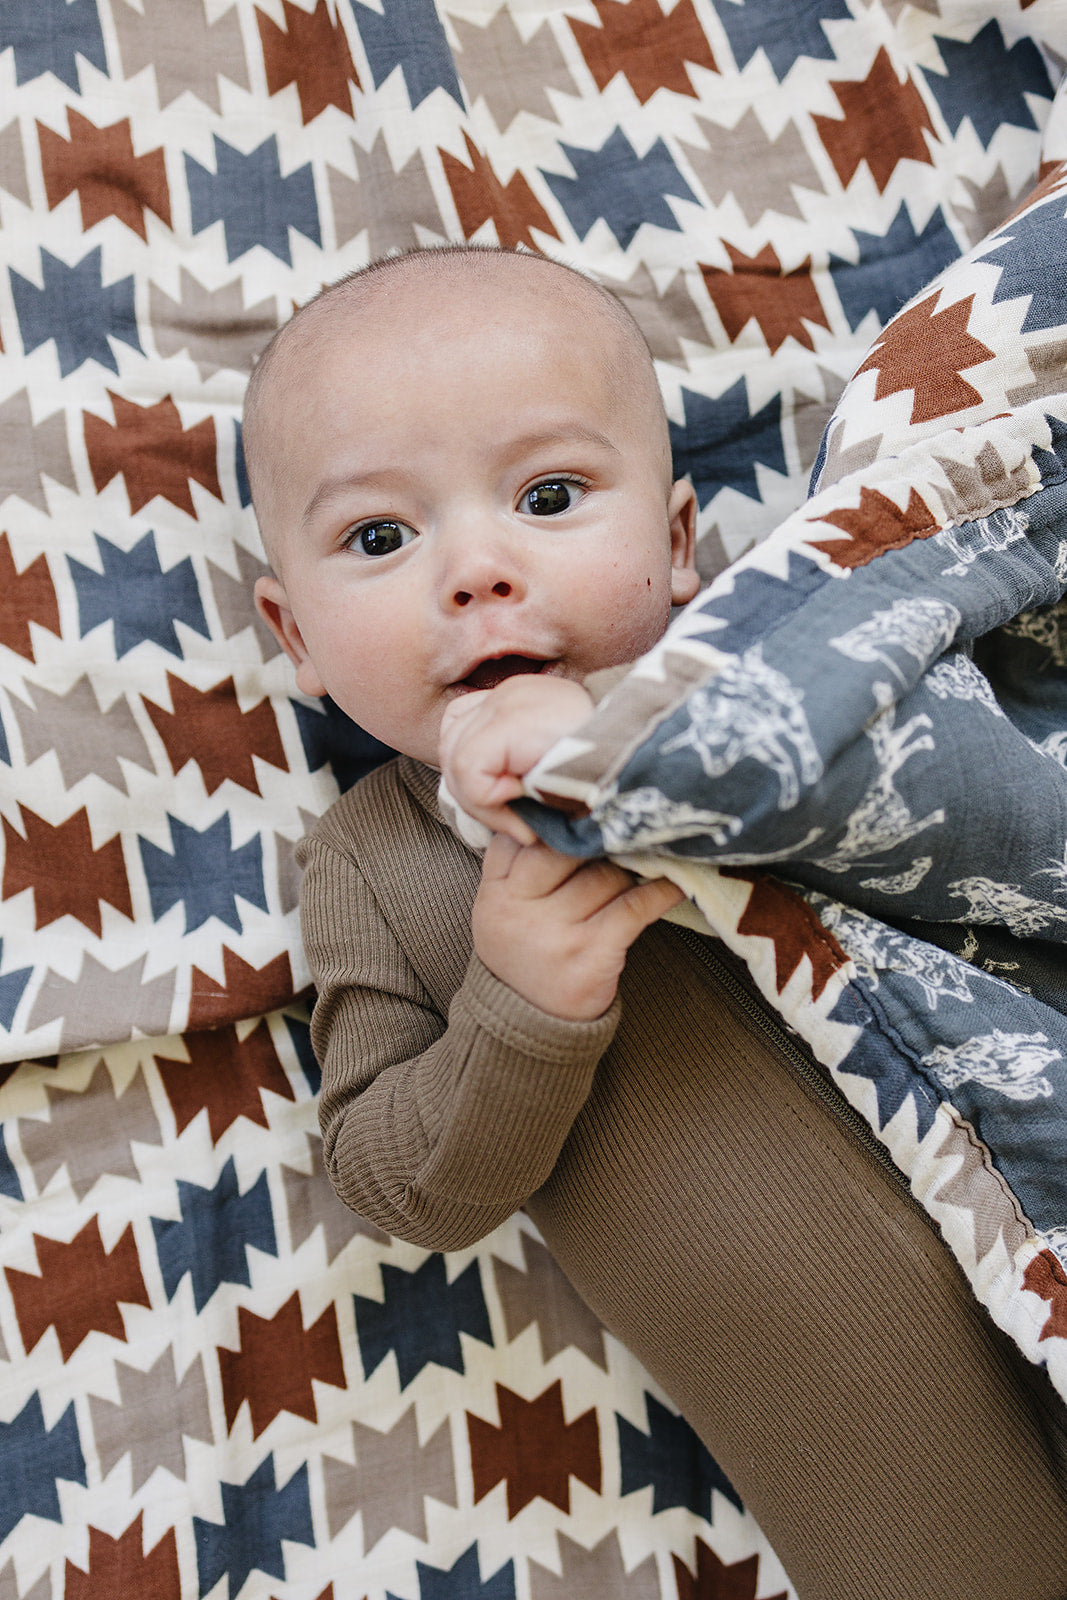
[649, 899]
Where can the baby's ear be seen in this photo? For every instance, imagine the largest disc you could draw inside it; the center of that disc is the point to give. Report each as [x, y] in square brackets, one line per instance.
[272, 603]
[682, 512]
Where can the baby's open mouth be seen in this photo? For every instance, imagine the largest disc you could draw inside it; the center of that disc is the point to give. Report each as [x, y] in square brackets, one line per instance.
[487, 674]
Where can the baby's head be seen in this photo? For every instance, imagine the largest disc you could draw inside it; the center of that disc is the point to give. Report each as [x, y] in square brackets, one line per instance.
[460, 464]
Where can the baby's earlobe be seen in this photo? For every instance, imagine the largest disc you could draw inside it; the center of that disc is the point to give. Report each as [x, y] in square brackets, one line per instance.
[307, 677]
[685, 583]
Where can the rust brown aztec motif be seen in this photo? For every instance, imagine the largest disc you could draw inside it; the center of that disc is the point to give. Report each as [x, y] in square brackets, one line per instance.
[214, 1382]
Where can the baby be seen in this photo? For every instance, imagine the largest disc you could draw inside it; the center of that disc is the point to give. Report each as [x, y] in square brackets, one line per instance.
[477, 491]
[459, 461]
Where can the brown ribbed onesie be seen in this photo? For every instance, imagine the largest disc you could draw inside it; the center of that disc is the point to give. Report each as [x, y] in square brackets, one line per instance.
[717, 1216]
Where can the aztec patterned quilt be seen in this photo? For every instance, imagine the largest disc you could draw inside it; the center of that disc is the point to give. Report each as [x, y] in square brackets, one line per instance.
[214, 1381]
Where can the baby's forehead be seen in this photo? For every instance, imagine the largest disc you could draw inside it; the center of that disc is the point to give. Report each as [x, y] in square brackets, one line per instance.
[425, 296]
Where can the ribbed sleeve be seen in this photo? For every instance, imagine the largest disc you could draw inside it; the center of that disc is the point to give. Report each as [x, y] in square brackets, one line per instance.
[436, 1133]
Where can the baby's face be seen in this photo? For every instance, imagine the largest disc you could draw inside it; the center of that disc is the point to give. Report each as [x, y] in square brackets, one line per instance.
[467, 499]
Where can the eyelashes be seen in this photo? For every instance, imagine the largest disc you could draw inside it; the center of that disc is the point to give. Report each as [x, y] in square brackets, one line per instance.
[379, 538]
[551, 497]
[384, 536]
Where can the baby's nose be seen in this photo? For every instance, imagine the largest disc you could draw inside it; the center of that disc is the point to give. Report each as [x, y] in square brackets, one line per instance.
[501, 588]
[479, 564]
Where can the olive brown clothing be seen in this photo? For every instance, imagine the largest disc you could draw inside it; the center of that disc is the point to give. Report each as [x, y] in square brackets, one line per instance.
[703, 1189]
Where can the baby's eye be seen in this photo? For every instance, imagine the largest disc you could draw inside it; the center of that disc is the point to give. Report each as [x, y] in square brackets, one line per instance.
[379, 538]
[552, 497]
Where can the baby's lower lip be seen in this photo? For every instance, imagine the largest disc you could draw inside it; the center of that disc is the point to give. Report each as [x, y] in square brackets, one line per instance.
[487, 674]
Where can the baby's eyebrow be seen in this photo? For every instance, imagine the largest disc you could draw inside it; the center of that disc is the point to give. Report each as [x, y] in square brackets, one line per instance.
[343, 484]
[560, 438]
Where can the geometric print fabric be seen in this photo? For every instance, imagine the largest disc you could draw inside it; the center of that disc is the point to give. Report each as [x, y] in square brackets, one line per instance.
[213, 1380]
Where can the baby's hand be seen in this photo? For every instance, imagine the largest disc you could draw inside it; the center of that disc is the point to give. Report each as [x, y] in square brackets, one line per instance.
[491, 738]
[557, 930]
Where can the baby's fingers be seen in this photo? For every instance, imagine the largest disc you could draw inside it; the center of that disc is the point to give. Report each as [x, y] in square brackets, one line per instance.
[644, 903]
[533, 870]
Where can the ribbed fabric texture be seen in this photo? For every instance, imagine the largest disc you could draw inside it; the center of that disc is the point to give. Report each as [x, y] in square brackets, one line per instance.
[717, 1216]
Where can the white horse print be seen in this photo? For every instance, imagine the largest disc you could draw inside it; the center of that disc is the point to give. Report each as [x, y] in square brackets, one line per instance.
[883, 819]
[919, 627]
[985, 536]
[751, 710]
[651, 817]
[1013, 1064]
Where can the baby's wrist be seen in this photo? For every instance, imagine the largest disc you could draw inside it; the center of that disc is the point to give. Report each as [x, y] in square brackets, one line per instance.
[555, 999]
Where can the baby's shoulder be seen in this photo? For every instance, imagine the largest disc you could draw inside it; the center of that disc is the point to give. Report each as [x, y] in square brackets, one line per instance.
[388, 803]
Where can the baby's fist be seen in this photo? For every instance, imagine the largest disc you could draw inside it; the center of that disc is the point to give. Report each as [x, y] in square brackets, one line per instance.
[490, 739]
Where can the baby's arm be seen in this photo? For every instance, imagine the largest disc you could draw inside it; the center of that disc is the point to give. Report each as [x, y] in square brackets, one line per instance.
[435, 1127]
